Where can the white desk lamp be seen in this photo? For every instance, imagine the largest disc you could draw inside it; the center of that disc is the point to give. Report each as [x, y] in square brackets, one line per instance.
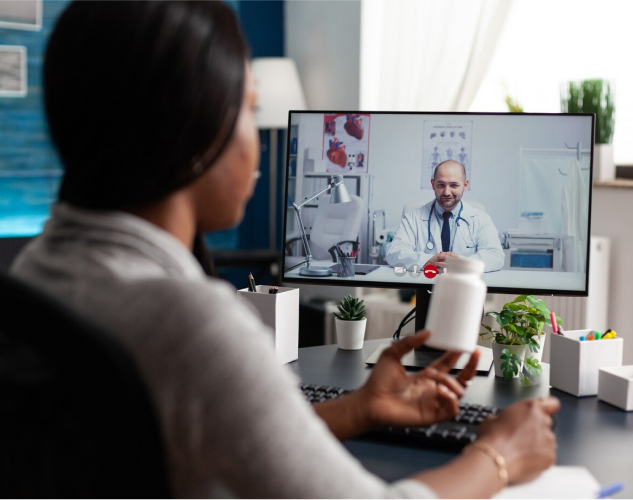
[339, 195]
[279, 91]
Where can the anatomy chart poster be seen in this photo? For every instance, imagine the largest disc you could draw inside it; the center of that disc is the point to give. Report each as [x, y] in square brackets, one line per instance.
[346, 142]
[445, 140]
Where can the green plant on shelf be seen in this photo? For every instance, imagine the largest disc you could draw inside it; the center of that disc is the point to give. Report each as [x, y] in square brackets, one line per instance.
[513, 105]
[592, 96]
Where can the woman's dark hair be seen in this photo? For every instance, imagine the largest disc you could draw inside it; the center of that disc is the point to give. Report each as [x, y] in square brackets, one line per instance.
[141, 97]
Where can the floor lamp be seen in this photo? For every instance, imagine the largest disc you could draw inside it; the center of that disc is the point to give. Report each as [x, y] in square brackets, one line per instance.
[279, 91]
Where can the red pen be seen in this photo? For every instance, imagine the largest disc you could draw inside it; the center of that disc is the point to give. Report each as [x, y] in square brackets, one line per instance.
[554, 324]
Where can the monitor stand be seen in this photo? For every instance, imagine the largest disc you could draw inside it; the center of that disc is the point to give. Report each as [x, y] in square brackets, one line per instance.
[424, 356]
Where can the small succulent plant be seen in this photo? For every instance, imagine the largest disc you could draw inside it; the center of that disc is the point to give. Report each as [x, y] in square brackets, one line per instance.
[351, 309]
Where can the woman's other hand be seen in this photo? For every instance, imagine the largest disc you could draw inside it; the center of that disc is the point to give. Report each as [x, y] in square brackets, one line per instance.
[393, 397]
[523, 435]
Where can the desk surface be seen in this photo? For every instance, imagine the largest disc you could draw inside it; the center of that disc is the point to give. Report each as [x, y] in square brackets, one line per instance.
[506, 278]
[589, 432]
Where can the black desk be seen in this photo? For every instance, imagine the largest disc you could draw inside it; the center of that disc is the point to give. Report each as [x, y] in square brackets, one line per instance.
[589, 432]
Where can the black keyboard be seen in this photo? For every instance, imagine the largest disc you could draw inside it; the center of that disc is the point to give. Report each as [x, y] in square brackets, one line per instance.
[449, 435]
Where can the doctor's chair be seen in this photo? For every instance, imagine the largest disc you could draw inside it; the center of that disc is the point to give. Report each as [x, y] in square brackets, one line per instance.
[334, 223]
[76, 420]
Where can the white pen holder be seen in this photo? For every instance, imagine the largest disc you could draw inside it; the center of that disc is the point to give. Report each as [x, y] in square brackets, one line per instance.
[574, 364]
[280, 311]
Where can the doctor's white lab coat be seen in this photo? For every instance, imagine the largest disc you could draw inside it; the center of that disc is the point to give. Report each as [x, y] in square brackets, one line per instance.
[478, 239]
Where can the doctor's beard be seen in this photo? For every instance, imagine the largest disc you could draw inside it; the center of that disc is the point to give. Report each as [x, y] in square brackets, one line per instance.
[449, 203]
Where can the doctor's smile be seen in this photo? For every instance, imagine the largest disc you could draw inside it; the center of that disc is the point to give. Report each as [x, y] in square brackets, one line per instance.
[448, 201]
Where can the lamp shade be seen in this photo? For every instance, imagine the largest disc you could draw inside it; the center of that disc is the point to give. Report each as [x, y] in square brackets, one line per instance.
[340, 194]
[279, 90]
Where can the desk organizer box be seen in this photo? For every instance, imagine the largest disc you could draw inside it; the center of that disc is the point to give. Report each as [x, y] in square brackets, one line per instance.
[279, 311]
[574, 364]
[615, 386]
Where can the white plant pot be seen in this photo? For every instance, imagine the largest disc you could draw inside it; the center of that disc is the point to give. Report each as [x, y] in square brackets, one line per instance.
[517, 349]
[350, 335]
[538, 355]
[603, 164]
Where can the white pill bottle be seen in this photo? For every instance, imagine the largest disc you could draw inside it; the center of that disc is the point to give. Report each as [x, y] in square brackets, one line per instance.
[457, 305]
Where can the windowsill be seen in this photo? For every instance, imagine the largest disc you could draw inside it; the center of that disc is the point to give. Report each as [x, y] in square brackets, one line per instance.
[615, 183]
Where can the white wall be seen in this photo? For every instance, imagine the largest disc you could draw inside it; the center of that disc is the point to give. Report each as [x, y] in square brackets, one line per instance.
[610, 217]
[323, 37]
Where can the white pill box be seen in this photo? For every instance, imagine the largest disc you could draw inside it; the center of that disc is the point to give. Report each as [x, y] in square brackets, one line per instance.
[574, 364]
[615, 386]
[280, 311]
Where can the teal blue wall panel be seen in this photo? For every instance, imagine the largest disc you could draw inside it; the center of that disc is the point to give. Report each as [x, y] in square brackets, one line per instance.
[29, 167]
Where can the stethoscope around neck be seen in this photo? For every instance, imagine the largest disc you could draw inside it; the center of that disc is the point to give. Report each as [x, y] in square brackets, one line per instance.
[429, 243]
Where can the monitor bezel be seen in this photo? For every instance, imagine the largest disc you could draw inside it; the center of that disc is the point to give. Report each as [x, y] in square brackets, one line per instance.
[428, 286]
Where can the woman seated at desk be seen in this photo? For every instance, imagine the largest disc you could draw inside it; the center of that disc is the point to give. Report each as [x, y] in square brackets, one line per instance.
[152, 109]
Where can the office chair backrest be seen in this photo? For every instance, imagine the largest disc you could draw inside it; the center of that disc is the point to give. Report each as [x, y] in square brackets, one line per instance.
[76, 420]
[334, 223]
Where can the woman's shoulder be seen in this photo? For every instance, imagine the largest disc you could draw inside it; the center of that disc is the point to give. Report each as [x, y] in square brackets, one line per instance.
[161, 317]
[203, 298]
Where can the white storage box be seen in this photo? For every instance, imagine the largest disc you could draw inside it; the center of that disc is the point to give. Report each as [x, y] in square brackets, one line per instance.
[575, 363]
[279, 311]
[615, 386]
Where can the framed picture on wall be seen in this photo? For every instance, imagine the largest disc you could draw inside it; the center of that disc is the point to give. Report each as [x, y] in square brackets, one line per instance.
[13, 81]
[21, 14]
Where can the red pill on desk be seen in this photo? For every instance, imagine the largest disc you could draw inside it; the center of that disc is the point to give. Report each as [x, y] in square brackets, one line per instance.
[589, 337]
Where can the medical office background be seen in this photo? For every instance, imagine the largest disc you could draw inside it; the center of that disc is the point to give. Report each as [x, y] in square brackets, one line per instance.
[517, 169]
[413, 55]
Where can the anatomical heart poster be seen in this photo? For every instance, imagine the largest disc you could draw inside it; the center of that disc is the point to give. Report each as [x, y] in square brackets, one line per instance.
[346, 142]
[445, 140]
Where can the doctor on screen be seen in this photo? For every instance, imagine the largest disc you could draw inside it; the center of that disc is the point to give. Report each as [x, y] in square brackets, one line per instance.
[456, 228]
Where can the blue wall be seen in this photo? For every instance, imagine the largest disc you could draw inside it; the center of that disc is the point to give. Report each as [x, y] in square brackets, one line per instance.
[30, 169]
[263, 24]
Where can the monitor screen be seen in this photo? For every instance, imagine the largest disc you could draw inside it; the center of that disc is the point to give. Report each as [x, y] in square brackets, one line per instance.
[382, 199]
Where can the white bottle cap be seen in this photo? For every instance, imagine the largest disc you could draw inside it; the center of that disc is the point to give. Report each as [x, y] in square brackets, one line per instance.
[464, 265]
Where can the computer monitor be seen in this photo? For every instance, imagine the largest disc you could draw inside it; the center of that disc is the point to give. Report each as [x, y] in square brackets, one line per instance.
[518, 186]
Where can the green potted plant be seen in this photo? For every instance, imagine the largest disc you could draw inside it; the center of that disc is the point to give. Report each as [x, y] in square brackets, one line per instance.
[513, 105]
[351, 322]
[594, 96]
[520, 330]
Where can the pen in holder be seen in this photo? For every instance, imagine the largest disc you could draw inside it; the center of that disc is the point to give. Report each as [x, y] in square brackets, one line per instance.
[347, 266]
